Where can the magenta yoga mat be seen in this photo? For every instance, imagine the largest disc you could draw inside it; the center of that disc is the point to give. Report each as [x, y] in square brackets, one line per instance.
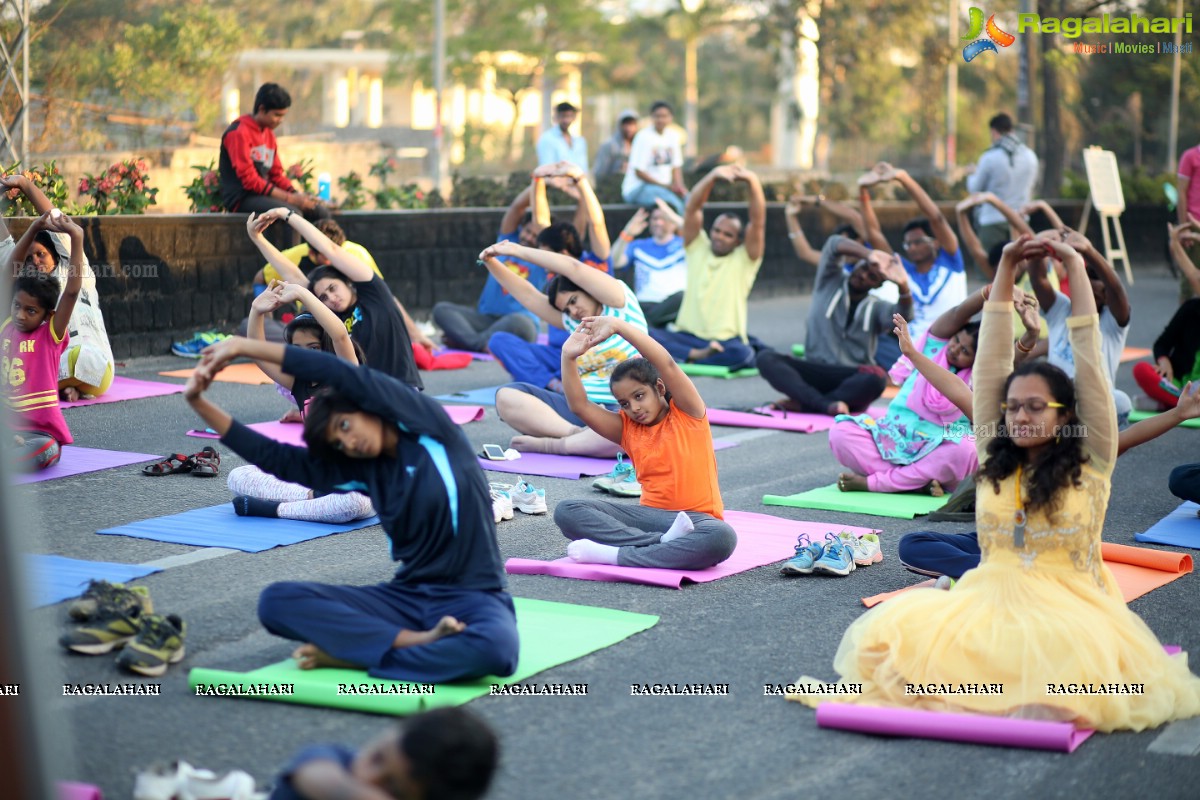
[128, 389]
[762, 539]
[293, 432]
[974, 728]
[770, 418]
[78, 460]
[569, 467]
[476, 356]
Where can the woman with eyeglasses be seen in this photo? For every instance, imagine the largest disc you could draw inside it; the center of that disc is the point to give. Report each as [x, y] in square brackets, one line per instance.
[1039, 630]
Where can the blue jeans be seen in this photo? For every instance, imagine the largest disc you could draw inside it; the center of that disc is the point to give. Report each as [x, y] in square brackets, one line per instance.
[737, 354]
[647, 193]
[527, 362]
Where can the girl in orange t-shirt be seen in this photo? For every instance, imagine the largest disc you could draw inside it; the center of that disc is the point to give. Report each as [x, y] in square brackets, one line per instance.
[663, 426]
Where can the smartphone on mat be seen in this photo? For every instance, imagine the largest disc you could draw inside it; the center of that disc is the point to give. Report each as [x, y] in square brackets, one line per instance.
[493, 452]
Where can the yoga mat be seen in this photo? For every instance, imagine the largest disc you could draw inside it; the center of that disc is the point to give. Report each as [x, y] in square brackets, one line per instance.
[1138, 415]
[219, 526]
[710, 371]
[464, 414]
[293, 432]
[798, 350]
[127, 389]
[762, 539]
[442, 351]
[70, 790]
[551, 634]
[1180, 528]
[1135, 354]
[974, 728]
[878, 504]
[769, 418]
[570, 467]
[57, 578]
[890, 392]
[1137, 570]
[234, 373]
[78, 460]
[480, 397]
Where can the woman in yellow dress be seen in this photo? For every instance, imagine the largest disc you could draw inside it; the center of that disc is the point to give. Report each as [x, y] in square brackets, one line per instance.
[1042, 615]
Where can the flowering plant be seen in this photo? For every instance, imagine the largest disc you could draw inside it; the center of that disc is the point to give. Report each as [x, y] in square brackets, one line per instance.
[47, 178]
[352, 185]
[125, 186]
[407, 196]
[301, 175]
[204, 192]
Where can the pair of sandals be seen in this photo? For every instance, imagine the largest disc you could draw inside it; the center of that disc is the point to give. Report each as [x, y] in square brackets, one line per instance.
[205, 464]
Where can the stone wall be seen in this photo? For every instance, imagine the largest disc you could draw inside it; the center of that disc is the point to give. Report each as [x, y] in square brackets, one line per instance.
[163, 277]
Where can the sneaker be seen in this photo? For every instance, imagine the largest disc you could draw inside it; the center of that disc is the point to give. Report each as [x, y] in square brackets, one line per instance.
[527, 498]
[865, 548]
[620, 471]
[836, 559]
[112, 629]
[502, 504]
[628, 486]
[944, 582]
[111, 595]
[191, 349]
[807, 554]
[159, 643]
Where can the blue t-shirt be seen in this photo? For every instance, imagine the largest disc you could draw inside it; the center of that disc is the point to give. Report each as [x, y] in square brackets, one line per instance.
[318, 752]
[937, 291]
[659, 270]
[494, 299]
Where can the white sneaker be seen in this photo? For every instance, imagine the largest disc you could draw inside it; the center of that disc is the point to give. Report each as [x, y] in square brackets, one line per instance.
[527, 498]
[865, 548]
[502, 504]
[237, 785]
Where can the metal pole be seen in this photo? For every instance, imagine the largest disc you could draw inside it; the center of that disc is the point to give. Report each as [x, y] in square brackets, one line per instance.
[952, 96]
[25, 20]
[1173, 125]
[439, 79]
[1023, 113]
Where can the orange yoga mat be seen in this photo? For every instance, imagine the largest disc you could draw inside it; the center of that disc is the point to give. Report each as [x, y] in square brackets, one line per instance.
[891, 391]
[234, 373]
[1134, 354]
[1138, 570]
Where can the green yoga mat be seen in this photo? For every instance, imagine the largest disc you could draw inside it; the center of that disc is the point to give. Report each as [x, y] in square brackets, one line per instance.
[1138, 416]
[709, 371]
[798, 350]
[877, 504]
[551, 634]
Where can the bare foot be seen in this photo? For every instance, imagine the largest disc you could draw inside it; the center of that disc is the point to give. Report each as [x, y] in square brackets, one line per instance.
[701, 353]
[70, 394]
[935, 489]
[538, 444]
[309, 656]
[852, 482]
[293, 415]
[447, 626]
[837, 408]
[20, 441]
[786, 404]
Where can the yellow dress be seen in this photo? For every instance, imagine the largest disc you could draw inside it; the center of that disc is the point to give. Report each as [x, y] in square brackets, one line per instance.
[1045, 620]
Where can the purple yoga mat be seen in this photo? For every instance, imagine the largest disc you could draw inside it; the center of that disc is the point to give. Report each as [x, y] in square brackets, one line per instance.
[128, 389]
[70, 790]
[570, 467]
[775, 420]
[78, 460]
[762, 539]
[978, 729]
[293, 432]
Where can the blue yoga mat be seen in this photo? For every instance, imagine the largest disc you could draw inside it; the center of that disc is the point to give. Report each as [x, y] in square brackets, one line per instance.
[219, 526]
[57, 578]
[1180, 528]
[480, 397]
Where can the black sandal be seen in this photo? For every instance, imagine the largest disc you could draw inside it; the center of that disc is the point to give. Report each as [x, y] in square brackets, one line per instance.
[207, 463]
[172, 465]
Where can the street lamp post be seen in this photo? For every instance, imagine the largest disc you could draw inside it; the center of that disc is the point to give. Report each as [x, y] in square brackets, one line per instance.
[691, 94]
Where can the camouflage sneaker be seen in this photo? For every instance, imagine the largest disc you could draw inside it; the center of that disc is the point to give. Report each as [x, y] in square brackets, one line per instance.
[111, 595]
[111, 629]
[159, 643]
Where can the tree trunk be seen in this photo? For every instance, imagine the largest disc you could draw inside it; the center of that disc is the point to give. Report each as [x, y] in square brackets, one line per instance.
[1053, 142]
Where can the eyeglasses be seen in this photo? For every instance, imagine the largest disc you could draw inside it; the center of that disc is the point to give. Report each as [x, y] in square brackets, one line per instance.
[909, 245]
[1035, 406]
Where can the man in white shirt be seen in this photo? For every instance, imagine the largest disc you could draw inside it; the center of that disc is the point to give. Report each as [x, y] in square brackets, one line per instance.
[655, 163]
[1007, 169]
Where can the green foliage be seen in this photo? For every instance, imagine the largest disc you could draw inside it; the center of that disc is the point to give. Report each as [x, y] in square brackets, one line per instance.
[473, 191]
[49, 179]
[1139, 186]
[407, 196]
[352, 185]
[301, 175]
[204, 192]
[125, 186]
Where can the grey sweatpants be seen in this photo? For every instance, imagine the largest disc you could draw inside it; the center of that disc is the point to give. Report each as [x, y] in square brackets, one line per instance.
[636, 531]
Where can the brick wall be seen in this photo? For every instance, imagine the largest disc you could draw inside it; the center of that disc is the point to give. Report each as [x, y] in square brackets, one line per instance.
[162, 277]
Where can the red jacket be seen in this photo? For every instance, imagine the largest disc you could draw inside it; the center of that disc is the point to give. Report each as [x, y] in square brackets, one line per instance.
[249, 162]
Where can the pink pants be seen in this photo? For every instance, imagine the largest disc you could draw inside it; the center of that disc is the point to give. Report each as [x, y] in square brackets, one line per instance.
[948, 464]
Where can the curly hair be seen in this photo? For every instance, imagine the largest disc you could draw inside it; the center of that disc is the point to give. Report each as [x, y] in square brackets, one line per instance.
[1062, 464]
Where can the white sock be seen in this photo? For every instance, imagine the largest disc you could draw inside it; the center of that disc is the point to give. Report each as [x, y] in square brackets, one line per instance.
[585, 551]
[682, 526]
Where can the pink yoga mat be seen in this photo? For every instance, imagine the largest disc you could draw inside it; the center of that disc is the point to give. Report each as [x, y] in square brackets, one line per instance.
[476, 356]
[762, 539]
[78, 460]
[775, 420]
[128, 389]
[977, 729]
[293, 432]
[69, 790]
[571, 468]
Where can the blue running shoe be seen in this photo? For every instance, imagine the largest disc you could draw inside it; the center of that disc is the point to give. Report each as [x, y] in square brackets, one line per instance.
[806, 556]
[837, 558]
[192, 349]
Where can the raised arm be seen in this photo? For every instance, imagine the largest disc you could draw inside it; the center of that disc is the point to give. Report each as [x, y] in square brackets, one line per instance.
[70, 296]
[520, 289]
[687, 398]
[803, 250]
[345, 262]
[962, 213]
[541, 206]
[263, 305]
[596, 227]
[994, 353]
[952, 321]
[843, 211]
[343, 347]
[1044, 207]
[516, 211]
[950, 385]
[1115, 296]
[1154, 426]
[756, 229]
[693, 212]
[872, 232]
[41, 203]
[287, 270]
[1176, 235]
[1039, 277]
[605, 288]
[941, 226]
[634, 228]
[601, 420]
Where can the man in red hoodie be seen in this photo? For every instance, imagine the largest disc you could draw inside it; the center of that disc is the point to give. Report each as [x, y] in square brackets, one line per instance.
[252, 177]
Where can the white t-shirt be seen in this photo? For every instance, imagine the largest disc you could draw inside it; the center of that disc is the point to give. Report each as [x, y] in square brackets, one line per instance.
[1112, 337]
[654, 153]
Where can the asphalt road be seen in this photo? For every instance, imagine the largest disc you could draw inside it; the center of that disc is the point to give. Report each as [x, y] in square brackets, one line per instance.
[745, 630]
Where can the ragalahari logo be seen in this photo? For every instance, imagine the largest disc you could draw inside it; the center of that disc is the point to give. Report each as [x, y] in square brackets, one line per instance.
[995, 36]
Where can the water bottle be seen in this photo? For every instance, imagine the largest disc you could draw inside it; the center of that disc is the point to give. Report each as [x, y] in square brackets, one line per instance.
[323, 186]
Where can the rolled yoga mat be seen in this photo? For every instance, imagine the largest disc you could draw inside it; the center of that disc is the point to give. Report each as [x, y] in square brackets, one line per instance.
[973, 728]
[878, 504]
[1180, 528]
[551, 634]
[126, 389]
[1138, 416]
[711, 371]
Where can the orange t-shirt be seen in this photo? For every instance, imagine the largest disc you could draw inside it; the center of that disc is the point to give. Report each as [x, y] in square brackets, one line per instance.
[675, 462]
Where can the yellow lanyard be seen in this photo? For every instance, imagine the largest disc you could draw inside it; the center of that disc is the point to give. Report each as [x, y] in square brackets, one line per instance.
[1019, 516]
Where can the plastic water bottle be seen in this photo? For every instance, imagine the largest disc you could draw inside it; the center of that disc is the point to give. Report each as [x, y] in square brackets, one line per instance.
[323, 186]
